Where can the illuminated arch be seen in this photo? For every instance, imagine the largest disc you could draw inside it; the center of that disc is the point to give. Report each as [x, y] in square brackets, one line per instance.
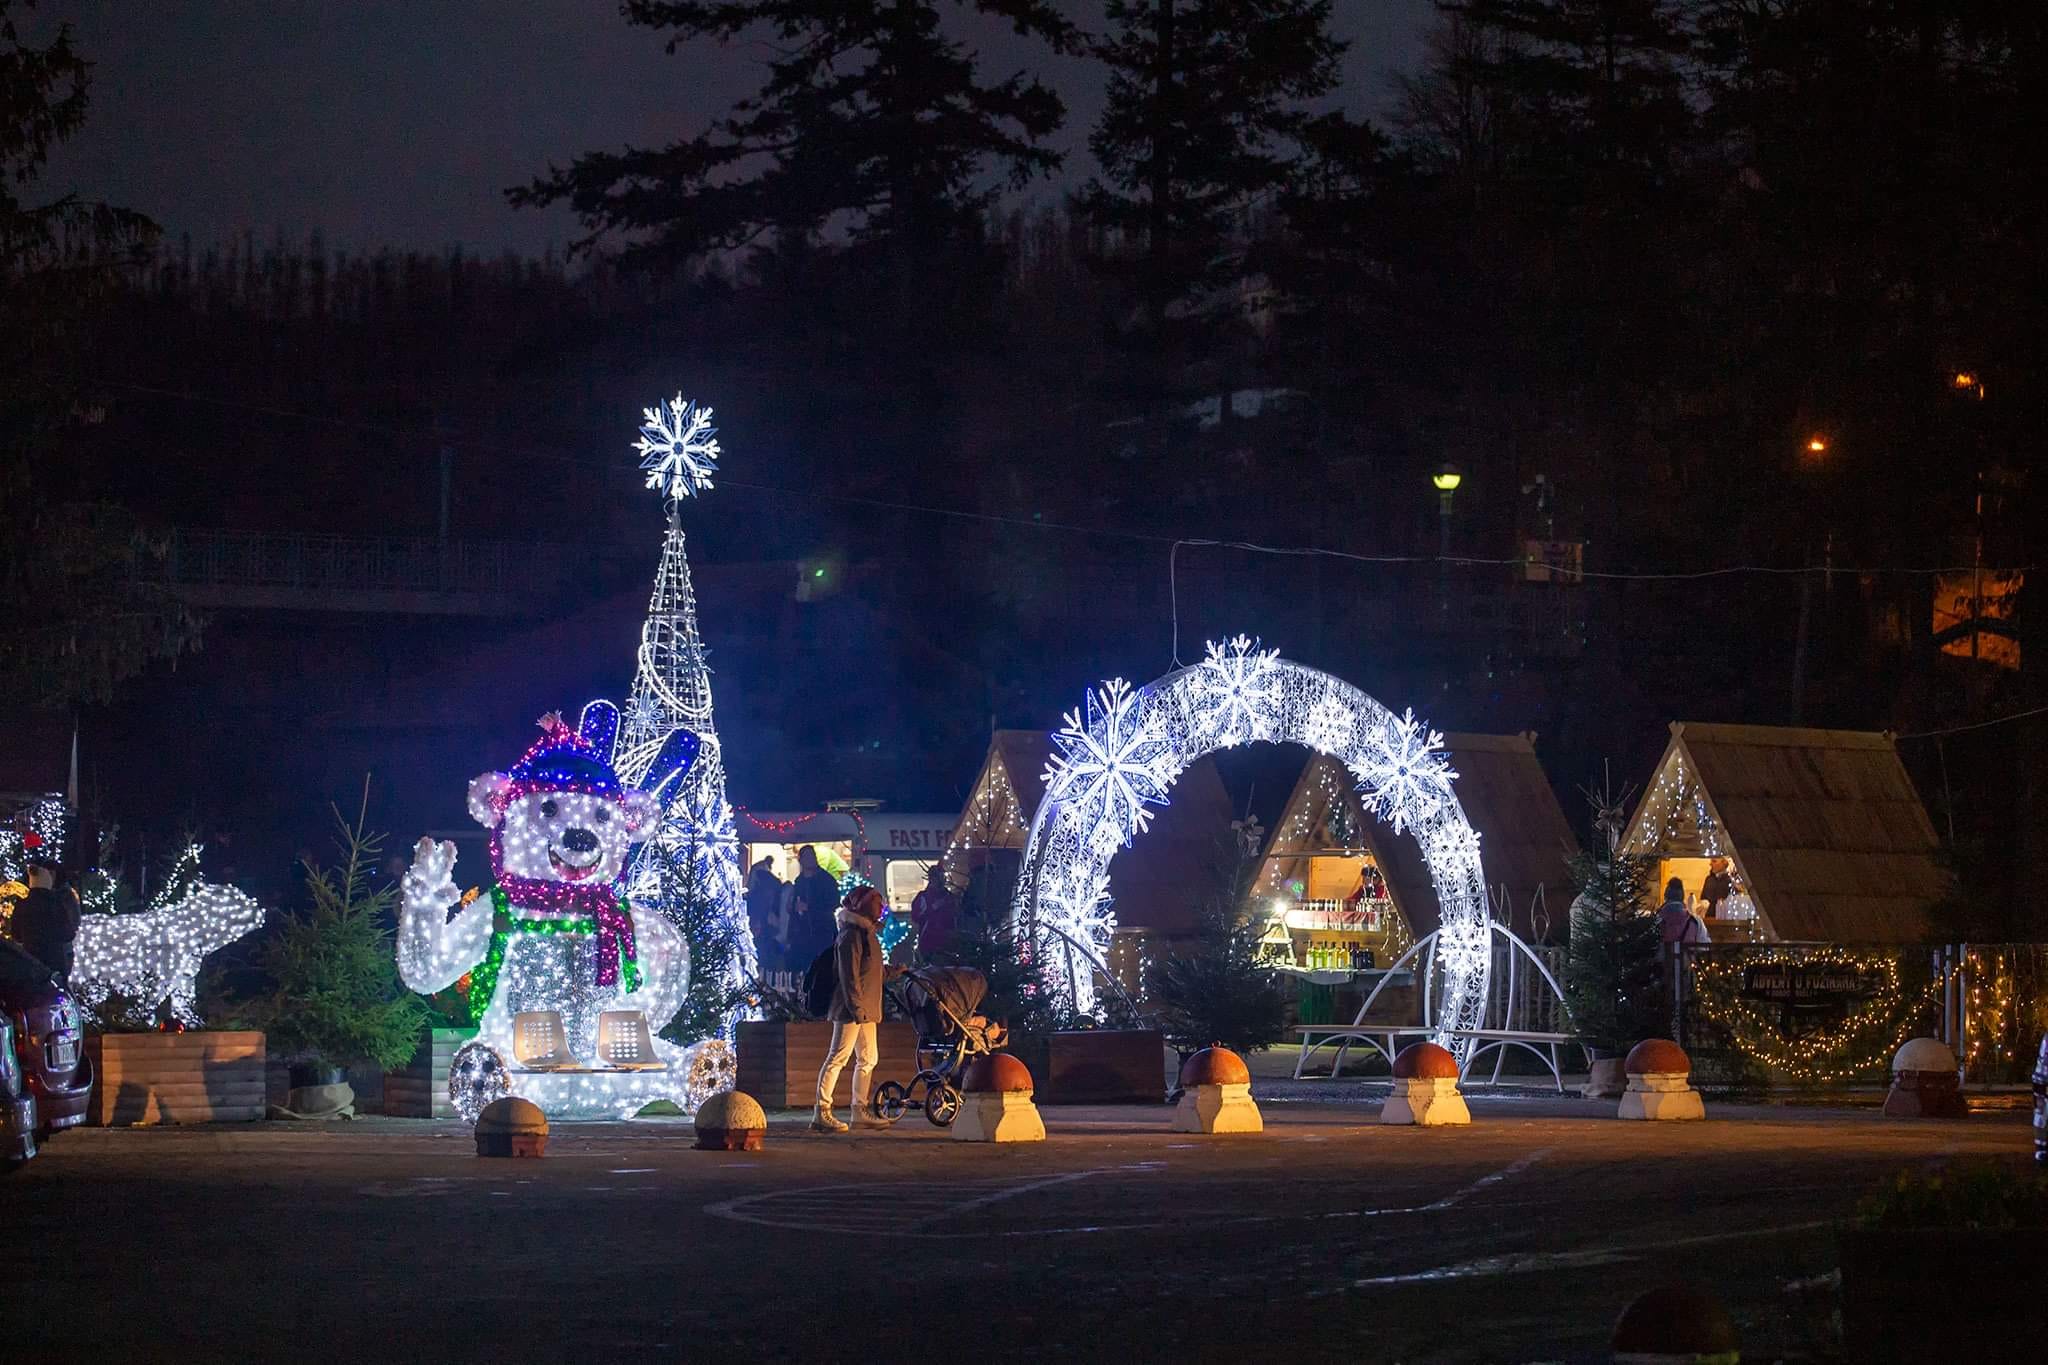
[1119, 755]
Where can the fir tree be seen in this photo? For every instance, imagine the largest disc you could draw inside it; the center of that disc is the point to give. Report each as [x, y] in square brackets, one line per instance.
[1213, 990]
[80, 618]
[1613, 982]
[1204, 116]
[871, 120]
[334, 997]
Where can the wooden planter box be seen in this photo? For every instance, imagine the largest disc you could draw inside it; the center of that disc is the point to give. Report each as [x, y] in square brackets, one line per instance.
[420, 1089]
[778, 1062]
[176, 1078]
[1104, 1066]
[1939, 1294]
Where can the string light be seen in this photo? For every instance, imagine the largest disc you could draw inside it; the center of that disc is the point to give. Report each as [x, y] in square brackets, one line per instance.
[1135, 744]
[558, 935]
[1866, 1038]
[671, 694]
[153, 956]
[994, 816]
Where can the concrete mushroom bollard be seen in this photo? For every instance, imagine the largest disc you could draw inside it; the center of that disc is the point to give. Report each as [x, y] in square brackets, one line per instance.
[1924, 1083]
[1676, 1323]
[511, 1127]
[995, 1103]
[1216, 1095]
[731, 1121]
[1660, 1083]
[1425, 1088]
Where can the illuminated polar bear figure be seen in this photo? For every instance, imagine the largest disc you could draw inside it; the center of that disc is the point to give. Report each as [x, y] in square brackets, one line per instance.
[552, 943]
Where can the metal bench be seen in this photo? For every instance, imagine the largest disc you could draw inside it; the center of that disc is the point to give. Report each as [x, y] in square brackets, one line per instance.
[1545, 1047]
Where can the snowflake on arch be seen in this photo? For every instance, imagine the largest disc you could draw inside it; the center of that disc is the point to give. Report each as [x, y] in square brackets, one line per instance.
[1236, 690]
[1330, 726]
[1404, 774]
[678, 447]
[1120, 763]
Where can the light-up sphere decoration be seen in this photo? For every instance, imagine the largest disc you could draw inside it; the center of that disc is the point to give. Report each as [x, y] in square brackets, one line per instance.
[554, 938]
[1119, 755]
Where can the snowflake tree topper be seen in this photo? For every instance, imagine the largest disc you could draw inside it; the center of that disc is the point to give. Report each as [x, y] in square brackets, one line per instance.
[1113, 766]
[1237, 691]
[1406, 777]
[678, 447]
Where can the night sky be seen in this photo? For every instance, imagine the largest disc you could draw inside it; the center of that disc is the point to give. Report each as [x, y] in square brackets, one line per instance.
[397, 123]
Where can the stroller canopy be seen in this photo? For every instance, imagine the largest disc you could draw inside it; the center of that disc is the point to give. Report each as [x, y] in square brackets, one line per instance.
[958, 989]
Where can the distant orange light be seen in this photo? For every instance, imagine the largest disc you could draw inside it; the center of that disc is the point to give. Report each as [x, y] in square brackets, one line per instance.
[1816, 445]
[1965, 380]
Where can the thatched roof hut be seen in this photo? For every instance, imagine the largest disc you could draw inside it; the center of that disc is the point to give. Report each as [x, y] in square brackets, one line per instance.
[1525, 843]
[1160, 882]
[1822, 829]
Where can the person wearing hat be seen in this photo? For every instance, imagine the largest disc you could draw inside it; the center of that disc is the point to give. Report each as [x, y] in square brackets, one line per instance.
[858, 969]
[45, 924]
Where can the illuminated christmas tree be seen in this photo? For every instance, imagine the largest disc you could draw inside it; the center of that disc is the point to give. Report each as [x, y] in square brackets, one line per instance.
[679, 450]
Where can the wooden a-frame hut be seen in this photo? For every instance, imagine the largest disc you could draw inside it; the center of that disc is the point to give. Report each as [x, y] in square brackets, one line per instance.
[1325, 838]
[1819, 833]
[1160, 883]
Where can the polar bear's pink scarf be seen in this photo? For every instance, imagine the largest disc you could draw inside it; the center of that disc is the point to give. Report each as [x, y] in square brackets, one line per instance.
[599, 901]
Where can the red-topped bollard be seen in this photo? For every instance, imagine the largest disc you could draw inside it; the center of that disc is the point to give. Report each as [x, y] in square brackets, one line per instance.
[511, 1127]
[1659, 1083]
[731, 1121]
[1924, 1083]
[1216, 1095]
[1425, 1088]
[995, 1102]
[1676, 1322]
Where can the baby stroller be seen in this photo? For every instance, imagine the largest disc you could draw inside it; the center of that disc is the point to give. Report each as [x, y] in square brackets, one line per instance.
[941, 1003]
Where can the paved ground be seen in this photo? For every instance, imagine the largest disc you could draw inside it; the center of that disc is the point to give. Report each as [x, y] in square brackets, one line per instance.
[1329, 1238]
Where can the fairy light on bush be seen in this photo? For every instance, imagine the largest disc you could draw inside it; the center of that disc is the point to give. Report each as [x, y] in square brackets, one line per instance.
[1120, 755]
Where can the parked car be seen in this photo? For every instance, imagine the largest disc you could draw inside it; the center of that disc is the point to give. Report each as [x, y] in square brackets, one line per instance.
[17, 1105]
[49, 1042]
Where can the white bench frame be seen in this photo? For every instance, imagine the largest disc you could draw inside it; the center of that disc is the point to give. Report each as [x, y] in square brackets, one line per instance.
[1545, 1047]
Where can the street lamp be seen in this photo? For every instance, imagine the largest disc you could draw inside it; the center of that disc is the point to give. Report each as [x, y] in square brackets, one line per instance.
[1446, 480]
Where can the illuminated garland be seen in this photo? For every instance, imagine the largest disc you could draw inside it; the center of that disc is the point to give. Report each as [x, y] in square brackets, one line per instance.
[1874, 1032]
[1120, 754]
[777, 827]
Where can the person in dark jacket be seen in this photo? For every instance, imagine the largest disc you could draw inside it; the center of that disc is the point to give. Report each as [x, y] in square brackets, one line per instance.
[935, 914]
[45, 924]
[813, 897]
[766, 893]
[858, 969]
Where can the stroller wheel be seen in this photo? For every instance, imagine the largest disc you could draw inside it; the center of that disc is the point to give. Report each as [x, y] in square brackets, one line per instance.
[890, 1100]
[942, 1105]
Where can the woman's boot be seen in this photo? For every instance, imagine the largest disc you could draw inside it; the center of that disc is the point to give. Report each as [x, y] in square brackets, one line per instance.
[822, 1121]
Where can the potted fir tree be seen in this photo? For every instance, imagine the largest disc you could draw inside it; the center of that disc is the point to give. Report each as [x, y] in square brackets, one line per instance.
[1613, 981]
[334, 999]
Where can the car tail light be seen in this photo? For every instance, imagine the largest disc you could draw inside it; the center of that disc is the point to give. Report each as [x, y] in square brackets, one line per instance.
[10, 1072]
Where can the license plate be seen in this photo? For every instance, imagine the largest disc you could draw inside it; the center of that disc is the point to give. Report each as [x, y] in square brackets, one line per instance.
[63, 1054]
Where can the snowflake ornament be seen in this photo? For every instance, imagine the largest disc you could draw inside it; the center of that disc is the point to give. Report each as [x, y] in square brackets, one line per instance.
[1237, 692]
[678, 447]
[1115, 766]
[1405, 777]
[1329, 725]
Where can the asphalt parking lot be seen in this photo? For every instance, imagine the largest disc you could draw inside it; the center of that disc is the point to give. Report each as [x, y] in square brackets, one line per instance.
[1329, 1237]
